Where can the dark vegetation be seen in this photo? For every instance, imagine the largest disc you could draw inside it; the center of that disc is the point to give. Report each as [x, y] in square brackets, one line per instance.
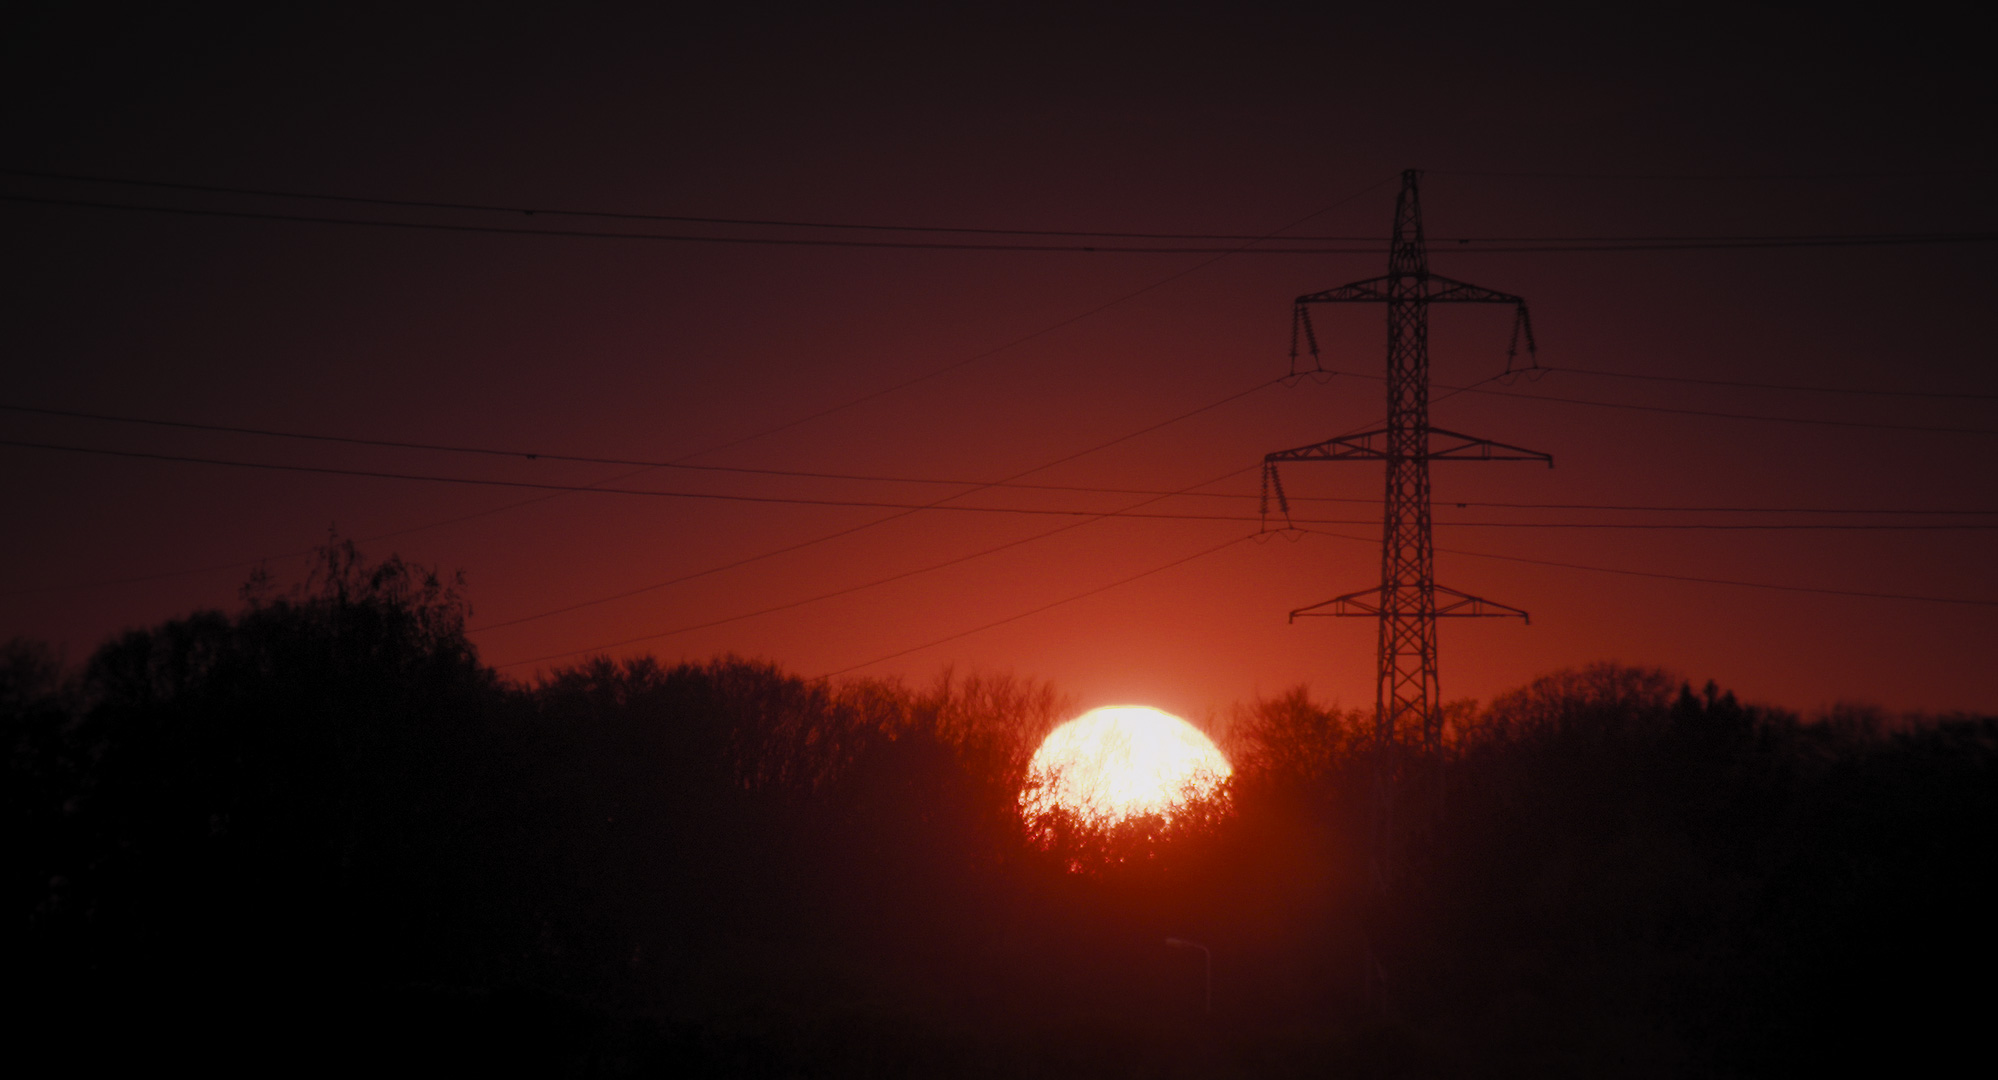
[318, 833]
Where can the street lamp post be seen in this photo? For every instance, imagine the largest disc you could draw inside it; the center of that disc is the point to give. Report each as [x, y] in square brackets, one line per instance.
[1207, 955]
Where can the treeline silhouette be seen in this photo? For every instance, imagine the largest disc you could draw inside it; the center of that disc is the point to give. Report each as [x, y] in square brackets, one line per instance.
[318, 833]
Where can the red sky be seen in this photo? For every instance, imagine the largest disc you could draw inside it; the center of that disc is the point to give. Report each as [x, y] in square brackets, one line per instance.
[1752, 123]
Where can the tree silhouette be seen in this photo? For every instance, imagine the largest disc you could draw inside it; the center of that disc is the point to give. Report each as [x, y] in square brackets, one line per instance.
[318, 826]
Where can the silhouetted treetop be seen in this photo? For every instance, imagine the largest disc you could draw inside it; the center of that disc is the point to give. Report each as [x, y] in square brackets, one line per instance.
[1292, 739]
[1602, 699]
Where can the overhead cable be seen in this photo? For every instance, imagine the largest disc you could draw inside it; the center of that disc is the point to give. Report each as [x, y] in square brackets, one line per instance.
[1008, 485]
[1933, 429]
[1462, 245]
[850, 403]
[846, 591]
[1967, 601]
[517, 210]
[1866, 391]
[944, 504]
[1070, 599]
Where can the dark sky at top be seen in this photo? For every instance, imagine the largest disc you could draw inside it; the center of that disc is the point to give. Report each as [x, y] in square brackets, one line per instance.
[1735, 121]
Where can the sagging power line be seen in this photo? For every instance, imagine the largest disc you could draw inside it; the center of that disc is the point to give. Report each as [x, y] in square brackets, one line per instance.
[1692, 579]
[517, 210]
[847, 591]
[1827, 237]
[872, 395]
[680, 464]
[945, 503]
[1859, 391]
[1462, 245]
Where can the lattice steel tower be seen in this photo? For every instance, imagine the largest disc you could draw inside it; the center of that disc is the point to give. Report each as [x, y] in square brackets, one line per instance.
[1407, 599]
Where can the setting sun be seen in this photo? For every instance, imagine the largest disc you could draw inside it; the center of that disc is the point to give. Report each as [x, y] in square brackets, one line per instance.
[1120, 762]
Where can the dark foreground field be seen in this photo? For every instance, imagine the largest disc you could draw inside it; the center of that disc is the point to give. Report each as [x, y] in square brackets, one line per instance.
[316, 833]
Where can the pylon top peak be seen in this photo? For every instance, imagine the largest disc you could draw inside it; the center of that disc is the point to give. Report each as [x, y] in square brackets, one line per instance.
[1408, 253]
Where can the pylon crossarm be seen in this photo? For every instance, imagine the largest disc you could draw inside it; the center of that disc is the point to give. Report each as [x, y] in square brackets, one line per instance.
[1372, 290]
[1438, 289]
[1351, 606]
[1343, 448]
[1472, 448]
[1466, 606]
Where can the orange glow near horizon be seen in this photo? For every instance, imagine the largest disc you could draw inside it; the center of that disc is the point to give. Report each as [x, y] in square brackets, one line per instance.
[1122, 761]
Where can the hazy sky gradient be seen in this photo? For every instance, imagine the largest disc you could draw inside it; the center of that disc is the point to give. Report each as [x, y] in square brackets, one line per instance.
[1731, 121]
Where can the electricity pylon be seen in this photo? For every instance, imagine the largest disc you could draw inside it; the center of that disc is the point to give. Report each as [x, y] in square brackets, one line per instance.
[1407, 599]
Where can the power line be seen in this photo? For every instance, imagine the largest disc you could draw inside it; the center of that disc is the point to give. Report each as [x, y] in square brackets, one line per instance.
[788, 605]
[645, 464]
[1687, 578]
[688, 577]
[1682, 509]
[695, 575]
[968, 230]
[1045, 330]
[568, 489]
[1863, 391]
[938, 482]
[535, 485]
[850, 403]
[943, 504]
[616, 215]
[1463, 245]
[1456, 551]
[244, 564]
[1036, 611]
[655, 586]
[987, 353]
[1128, 511]
[1765, 418]
[942, 482]
[1210, 551]
[1720, 177]
[1050, 328]
[905, 509]
[1479, 388]
[1202, 554]
[1711, 528]
[685, 238]
[648, 466]
[840, 592]
[526, 211]
[848, 590]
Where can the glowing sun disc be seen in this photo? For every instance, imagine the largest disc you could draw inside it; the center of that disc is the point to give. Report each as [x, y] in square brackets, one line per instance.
[1122, 761]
